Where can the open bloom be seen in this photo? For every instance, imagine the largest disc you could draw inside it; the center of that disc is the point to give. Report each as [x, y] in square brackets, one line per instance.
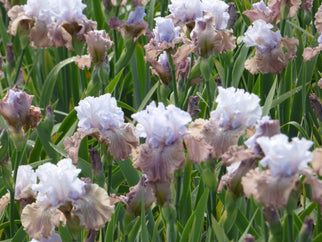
[272, 51]
[99, 112]
[165, 30]
[26, 177]
[283, 157]
[218, 9]
[261, 36]
[101, 118]
[163, 153]
[161, 125]
[51, 22]
[236, 108]
[58, 183]
[62, 196]
[186, 11]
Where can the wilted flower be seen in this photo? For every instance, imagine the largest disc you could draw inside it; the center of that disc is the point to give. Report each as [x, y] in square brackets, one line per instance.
[98, 42]
[161, 125]
[238, 161]
[269, 57]
[285, 158]
[186, 11]
[102, 118]
[265, 127]
[133, 199]
[134, 27]
[218, 9]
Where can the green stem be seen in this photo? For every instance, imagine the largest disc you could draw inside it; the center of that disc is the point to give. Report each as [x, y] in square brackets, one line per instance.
[109, 160]
[290, 226]
[125, 56]
[174, 82]
[19, 65]
[206, 73]
[178, 192]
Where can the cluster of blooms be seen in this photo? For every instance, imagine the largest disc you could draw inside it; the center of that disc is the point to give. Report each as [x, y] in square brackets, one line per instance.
[50, 22]
[59, 197]
[205, 22]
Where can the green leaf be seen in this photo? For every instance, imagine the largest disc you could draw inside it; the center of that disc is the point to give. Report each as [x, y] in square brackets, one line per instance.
[48, 87]
[269, 100]
[19, 235]
[242, 219]
[219, 231]
[131, 175]
[239, 66]
[148, 96]
[200, 216]
[111, 86]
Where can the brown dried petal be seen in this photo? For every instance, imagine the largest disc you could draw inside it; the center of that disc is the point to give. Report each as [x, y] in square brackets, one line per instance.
[160, 163]
[4, 201]
[134, 198]
[315, 183]
[255, 14]
[134, 30]
[273, 61]
[119, 141]
[162, 71]
[307, 5]
[273, 192]
[37, 220]
[236, 154]
[83, 61]
[317, 161]
[220, 138]
[309, 52]
[19, 19]
[251, 65]
[97, 45]
[93, 208]
[60, 36]
[233, 180]
[39, 35]
[277, 6]
[197, 147]
[33, 118]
